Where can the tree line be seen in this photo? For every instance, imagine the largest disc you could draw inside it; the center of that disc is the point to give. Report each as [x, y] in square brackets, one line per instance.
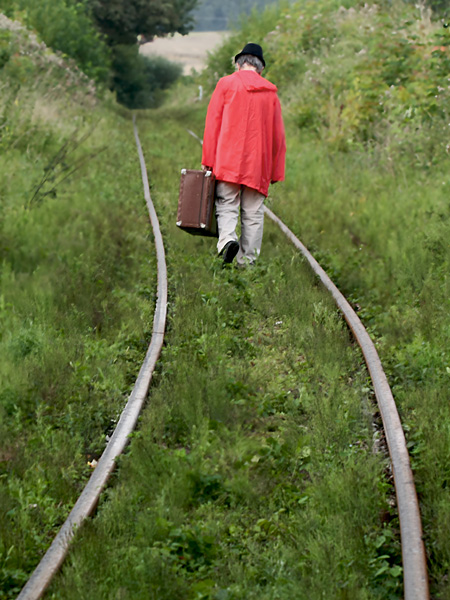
[102, 35]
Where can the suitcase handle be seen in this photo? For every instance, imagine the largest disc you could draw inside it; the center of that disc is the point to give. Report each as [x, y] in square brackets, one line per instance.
[207, 173]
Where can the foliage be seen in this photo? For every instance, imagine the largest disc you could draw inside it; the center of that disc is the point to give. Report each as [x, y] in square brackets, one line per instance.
[139, 80]
[367, 75]
[5, 47]
[84, 30]
[65, 26]
[29, 64]
[440, 8]
[122, 21]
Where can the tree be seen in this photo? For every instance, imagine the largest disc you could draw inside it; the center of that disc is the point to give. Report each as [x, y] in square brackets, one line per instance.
[67, 26]
[139, 81]
[122, 21]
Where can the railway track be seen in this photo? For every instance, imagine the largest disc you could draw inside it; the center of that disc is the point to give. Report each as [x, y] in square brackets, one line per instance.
[413, 551]
[86, 503]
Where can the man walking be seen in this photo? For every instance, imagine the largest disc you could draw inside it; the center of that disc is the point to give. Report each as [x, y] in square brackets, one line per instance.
[244, 145]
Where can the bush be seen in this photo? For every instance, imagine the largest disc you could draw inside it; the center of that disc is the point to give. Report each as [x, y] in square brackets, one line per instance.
[139, 81]
[354, 74]
[67, 27]
[5, 53]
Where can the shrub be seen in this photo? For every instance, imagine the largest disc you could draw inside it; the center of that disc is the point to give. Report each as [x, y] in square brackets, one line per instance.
[67, 27]
[5, 53]
[139, 81]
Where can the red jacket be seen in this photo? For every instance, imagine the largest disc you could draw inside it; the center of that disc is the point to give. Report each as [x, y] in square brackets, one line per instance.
[244, 139]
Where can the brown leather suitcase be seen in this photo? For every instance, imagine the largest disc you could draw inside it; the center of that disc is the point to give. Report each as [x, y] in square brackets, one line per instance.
[196, 211]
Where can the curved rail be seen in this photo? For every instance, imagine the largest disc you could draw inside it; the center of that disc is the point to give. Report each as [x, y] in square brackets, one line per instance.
[415, 578]
[415, 575]
[413, 551]
[86, 503]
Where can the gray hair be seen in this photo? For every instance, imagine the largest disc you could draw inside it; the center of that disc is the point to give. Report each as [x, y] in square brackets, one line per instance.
[251, 60]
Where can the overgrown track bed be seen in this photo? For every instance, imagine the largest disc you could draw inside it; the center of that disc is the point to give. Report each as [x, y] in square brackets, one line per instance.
[415, 577]
[88, 500]
[413, 549]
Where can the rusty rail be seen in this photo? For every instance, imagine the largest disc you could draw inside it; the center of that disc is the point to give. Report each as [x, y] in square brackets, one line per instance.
[86, 503]
[415, 578]
[415, 574]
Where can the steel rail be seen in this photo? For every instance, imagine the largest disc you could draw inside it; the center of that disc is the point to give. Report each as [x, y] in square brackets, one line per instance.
[415, 578]
[86, 503]
[415, 574]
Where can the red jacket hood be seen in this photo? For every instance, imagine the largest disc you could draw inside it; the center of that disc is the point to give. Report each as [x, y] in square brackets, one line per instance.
[253, 82]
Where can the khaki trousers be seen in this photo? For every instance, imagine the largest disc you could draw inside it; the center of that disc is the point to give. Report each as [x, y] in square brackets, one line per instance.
[230, 197]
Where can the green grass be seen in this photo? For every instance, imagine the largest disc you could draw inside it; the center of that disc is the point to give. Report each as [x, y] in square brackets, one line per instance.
[385, 244]
[77, 280]
[367, 191]
[253, 473]
[365, 99]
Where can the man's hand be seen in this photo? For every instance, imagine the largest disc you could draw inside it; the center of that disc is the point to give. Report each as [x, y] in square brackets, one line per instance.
[205, 168]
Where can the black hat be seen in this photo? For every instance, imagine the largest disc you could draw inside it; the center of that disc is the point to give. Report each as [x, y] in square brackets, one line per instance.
[254, 50]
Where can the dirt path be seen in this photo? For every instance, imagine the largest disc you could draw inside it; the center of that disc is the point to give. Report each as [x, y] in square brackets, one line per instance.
[189, 50]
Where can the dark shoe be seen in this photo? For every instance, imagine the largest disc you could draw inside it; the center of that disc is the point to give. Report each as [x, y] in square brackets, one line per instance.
[229, 251]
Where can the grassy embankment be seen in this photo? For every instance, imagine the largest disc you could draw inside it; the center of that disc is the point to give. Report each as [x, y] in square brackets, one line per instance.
[76, 286]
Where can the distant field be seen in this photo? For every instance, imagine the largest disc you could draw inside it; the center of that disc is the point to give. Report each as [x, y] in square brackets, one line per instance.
[189, 50]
